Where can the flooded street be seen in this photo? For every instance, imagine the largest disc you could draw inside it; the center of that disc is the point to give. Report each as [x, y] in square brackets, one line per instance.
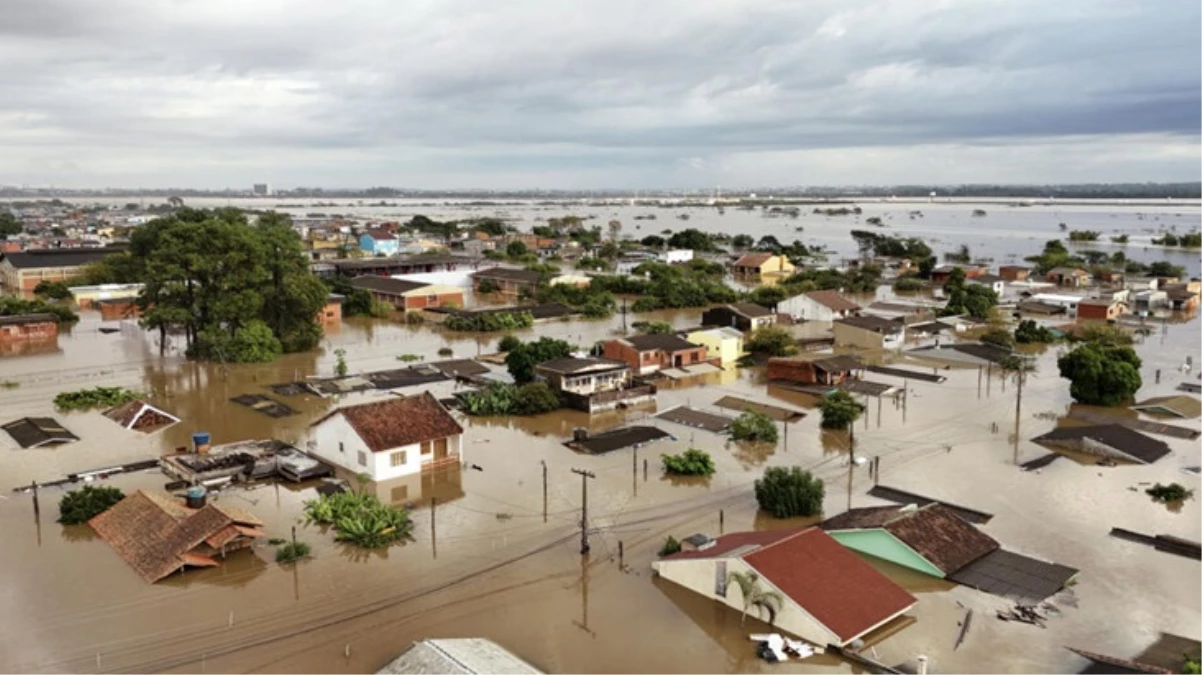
[491, 558]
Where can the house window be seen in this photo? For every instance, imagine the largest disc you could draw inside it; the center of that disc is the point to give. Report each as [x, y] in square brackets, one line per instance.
[431, 299]
[397, 459]
[427, 447]
[362, 458]
[341, 447]
[720, 579]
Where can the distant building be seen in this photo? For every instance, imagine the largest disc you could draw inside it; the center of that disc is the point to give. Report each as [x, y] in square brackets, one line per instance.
[829, 371]
[262, 190]
[391, 438]
[403, 295]
[594, 385]
[993, 282]
[87, 296]
[1014, 272]
[330, 316]
[1101, 309]
[22, 271]
[762, 264]
[941, 274]
[1074, 277]
[505, 280]
[675, 256]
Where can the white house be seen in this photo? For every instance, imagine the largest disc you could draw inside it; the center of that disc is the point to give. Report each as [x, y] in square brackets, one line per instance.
[676, 256]
[819, 306]
[991, 281]
[830, 595]
[391, 438]
[584, 376]
[1068, 302]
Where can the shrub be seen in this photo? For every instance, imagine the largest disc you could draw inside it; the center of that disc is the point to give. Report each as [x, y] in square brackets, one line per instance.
[1029, 332]
[487, 286]
[654, 327]
[408, 358]
[277, 541]
[340, 367]
[1121, 239]
[786, 493]
[691, 462]
[534, 398]
[446, 351]
[908, 283]
[671, 545]
[839, 410]
[499, 398]
[521, 360]
[771, 341]
[753, 426]
[414, 317]
[56, 290]
[1173, 492]
[1083, 235]
[80, 506]
[488, 322]
[98, 397]
[292, 552]
[998, 336]
[509, 343]
[254, 342]
[360, 519]
[10, 306]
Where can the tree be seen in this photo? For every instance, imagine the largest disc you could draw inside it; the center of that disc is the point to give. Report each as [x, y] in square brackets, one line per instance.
[671, 546]
[80, 506]
[770, 244]
[1163, 268]
[786, 493]
[1101, 374]
[251, 343]
[292, 296]
[753, 426]
[533, 398]
[521, 360]
[340, 368]
[963, 254]
[691, 462]
[509, 343]
[615, 228]
[9, 225]
[771, 341]
[1173, 492]
[754, 596]
[1029, 332]
[692, 239]
[839, 410]
[515, 249]
[55, 290]
[768, 296]
[653, 241]
[742, 241]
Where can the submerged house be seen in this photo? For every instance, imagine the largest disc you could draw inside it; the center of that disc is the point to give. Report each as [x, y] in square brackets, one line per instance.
[724, 345]
[1113, 441]
[762, 264]
[744, 316]
[140, 416]
[819, 306]
[650, 353]
[391, 438]
[830, 596]
[869, 332]
[458, 656]
[157, 534]
[592, 384]
[829, 371]
[35, 432]
[934, 540]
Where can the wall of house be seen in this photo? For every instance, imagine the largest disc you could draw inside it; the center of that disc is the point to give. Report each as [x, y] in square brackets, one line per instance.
[44, 330]
[807, 309]
[336, 442]
[1099, 312]
[433, 297]
[724, 349]
[778, 264]
[701, 577]
[881, 544]
[588, 383]
[640, 362]
[853, 336]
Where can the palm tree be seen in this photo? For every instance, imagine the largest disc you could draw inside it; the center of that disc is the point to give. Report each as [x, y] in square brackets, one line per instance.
[1018, 366]
[754, 596]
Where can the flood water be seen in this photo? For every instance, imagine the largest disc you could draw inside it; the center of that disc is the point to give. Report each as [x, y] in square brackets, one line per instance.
[489, 558]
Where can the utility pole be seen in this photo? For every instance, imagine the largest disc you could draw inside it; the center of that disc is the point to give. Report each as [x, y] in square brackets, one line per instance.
[584, 476]
[624, 329]
[1018, 409]
[544, 490]
[433, 534]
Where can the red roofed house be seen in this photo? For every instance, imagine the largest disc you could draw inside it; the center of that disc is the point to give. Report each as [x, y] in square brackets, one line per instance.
[157, 534]
[831, 596]
[391, 438]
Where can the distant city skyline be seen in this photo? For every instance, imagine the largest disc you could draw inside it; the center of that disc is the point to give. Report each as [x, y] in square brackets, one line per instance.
[598, 95]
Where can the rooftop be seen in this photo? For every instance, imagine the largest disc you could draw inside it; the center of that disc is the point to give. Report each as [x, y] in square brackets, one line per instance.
[569, 365]
[58, 257]
[667, 343]
[750, 309]
[986, 279]
[753, 259]
[140, 416]
[386, 285]
[934, 532]
[34, 432]
[459, 656]
[872, 323]
[832, 300]
[1179, 406]
[397, 422]
[1128, 442]
[508, 274]
[26, 319]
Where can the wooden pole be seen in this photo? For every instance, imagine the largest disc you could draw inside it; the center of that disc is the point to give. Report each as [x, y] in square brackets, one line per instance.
[988, 378]
[584, 476]
[721, 522]
[1018, 412]
[621, 556]
[544, 490]
[980, 372]
[433, 532]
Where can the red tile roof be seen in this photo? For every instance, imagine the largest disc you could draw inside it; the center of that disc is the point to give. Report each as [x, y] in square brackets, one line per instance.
[398, 422]
[838, 588]
[833, 301]
[753, 260]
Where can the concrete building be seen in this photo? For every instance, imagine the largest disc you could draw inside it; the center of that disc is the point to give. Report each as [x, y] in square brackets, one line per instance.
[724, 345]
[86, 297]
[1101, 309]
[675, 256]
[745, 316]
[405, 295]
[941, 274]
[1014, 272]
[650, 353]
[330, 316]
[388, 439]
[819, 306]
[584, 376]
[1073, 277]
[829, 595]
[869, 332]
[22, 271]
[827, 371]
[1068, 302]
[27, 332]
[505, 280]
[993, 282]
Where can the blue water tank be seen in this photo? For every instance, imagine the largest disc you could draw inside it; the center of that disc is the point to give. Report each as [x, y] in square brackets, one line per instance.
[199, 439]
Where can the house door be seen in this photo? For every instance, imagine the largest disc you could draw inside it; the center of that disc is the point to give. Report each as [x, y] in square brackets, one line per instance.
[440, 449]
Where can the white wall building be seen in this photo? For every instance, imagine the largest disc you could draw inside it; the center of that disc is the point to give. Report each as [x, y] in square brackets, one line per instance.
[391, 438]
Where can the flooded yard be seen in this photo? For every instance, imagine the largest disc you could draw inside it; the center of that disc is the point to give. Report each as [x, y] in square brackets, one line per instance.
[492, 557]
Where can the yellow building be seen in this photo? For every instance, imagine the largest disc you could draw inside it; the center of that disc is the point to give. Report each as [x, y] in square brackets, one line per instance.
[724, 344]
[763, 264]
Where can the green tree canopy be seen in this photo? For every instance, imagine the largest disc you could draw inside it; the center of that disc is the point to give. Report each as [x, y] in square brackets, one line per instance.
[839, 410]
[786, 493]
[9, 225]
[522, 359]
[1101, 374]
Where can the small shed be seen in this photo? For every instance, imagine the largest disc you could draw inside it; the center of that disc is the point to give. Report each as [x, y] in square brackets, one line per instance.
[35, 432]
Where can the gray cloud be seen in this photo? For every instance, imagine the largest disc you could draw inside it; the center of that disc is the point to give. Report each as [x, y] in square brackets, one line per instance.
[596, 94]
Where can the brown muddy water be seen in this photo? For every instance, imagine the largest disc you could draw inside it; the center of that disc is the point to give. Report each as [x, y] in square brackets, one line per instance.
[489, 558]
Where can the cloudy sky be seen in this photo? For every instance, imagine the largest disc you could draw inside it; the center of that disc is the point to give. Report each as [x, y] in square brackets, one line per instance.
[597, 94]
